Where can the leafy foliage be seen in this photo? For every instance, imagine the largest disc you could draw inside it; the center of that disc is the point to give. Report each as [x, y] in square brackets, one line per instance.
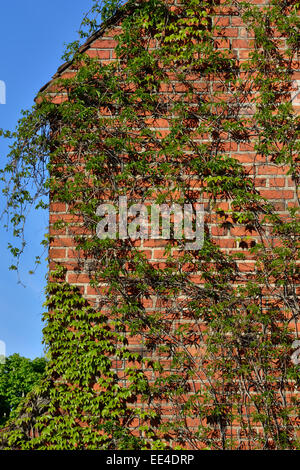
[221, 337]
[18, 375]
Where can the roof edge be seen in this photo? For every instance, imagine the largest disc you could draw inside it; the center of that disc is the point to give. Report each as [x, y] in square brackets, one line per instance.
[120, 13]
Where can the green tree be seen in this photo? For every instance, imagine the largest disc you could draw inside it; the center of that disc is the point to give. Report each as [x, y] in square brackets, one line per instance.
[18, 375]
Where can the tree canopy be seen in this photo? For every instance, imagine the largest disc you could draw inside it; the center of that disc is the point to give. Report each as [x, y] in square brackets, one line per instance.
[18, 375]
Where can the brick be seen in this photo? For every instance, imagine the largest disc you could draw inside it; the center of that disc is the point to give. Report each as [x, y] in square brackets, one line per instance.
[99, 54]
[160, 254]
[231, 32]
[240, 44]
[56, 253]
[73, 278]
[242, 232]
[218, 231]
[155, 243]
[58, 207]
[277, 182]
[63, 241]
[269, 194]
[272, 170]
[104, 44]
[222, 21]
[237, 21]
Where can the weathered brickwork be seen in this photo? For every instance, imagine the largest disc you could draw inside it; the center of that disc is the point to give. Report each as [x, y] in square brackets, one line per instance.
[270, 179]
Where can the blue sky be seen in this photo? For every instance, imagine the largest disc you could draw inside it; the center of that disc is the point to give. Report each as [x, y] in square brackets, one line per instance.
[32, 37]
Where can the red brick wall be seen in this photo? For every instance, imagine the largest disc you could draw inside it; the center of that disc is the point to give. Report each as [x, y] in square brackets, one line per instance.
[270, 179]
